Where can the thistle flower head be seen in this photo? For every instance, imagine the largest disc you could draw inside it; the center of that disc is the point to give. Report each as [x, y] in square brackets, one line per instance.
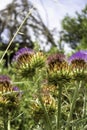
[23, 55]
[22, 62]
[78, 65]
[78, 60]
[80, 55]
[57, 68]
[8, 98]
[5, 84]
[55, 59]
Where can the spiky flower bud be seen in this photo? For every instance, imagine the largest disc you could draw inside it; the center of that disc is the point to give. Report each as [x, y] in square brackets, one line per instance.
[49, 89]
[37, 109]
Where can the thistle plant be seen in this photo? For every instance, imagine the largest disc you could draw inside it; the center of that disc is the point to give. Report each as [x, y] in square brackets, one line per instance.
[78, 70]
[26, 61]
[58, 74]
[54, 92]
[29, 64]
[57, 69]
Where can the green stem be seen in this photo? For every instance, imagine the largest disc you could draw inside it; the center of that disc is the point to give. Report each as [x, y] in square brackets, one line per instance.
[59, 109]
[84, 103]
[73, 104]
[5, 119]
[9, 128]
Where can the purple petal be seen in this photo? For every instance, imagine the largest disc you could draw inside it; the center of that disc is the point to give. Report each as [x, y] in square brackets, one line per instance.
[56, 58]
[21, 52]
[15, 88]
[80, 55]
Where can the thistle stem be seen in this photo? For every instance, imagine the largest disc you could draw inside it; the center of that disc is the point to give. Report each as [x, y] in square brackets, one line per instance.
[73, 104]
[84, 103]
[5, 119]
[59, 109]
[9, 128]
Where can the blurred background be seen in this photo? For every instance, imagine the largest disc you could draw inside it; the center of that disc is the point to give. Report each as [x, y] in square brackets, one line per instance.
[54, 25]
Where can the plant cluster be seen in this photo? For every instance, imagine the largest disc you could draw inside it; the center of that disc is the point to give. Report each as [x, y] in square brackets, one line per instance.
[51, 92]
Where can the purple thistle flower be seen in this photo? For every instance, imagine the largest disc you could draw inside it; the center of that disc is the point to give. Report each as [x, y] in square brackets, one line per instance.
[78, 62]
[21, 52]
[57, 68]
[80, 55]
[57, 60]
[5, 83]
[52, 59]
[22, 60]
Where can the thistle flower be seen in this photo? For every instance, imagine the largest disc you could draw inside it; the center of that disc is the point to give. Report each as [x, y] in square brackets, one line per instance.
[78, 63]
[26, 62]
[80, 55]
[78, 60]
[55, 59]
[22, 62]
[23, 54]
[8, 99]
[57, 68]
[13, 98]
[5, 84]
